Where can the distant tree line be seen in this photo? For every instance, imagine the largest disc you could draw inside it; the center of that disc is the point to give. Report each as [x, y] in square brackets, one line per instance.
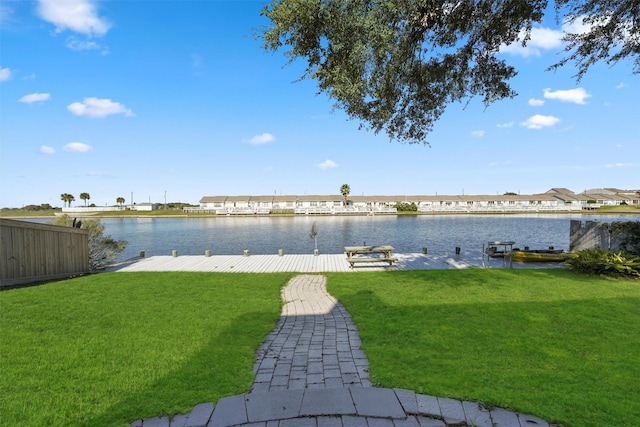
[33, 208]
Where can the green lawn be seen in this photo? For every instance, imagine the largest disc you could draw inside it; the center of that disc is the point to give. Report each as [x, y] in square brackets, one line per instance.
[107, 349]
[552, 343]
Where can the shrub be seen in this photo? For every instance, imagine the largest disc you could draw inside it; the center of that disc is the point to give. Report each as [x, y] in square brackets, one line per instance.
[606, 262]
[406, 207]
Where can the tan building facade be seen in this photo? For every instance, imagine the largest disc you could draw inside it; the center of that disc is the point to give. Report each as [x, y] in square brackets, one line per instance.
[554, 200]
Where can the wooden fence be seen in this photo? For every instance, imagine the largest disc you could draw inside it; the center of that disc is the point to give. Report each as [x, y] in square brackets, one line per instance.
[32, 252]
[593, 234]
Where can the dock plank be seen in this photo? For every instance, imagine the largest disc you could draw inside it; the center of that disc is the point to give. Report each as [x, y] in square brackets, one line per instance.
[297, 263]
[304, 263]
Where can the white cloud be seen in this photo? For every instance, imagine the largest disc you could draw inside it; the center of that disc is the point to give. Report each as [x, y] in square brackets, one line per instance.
[541, 39]
[536, 102]
[477, 133]
[79, 16]
[78, 45]
[545, 38]
[327, 164]
[77, 147]
[96, 107]
[577, 95]
[35, 97]
[5, 74]
[621, 85]
[578, 26]
[539, 121]
[264, 138]
[505, 125]
[45, 149]
[619, 165]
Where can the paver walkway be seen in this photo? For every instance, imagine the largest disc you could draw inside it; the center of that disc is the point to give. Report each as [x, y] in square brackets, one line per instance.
[311, 372]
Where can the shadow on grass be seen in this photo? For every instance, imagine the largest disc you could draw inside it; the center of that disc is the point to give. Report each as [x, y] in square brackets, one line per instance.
[570, 361]
[226, 360]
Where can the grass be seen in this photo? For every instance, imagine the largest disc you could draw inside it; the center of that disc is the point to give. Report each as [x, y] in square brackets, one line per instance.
[24, 213]
[552, 343]
[620, 209]
[158, 213]
[107, 349]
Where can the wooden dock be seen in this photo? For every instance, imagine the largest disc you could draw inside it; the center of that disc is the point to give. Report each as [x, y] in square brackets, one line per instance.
[307, 263]
[304, 263]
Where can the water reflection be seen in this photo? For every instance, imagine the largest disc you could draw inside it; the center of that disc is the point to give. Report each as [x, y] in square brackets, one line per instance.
[440, 234]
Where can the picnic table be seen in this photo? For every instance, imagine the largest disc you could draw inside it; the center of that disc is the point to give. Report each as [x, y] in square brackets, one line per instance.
[369, 254]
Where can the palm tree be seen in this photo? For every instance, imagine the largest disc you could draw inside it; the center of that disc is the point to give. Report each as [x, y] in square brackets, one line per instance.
[120, 201]
[85, 197]
[345, 190]
[67, 198]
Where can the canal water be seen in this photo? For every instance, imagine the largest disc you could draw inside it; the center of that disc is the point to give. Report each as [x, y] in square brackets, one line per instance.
[438, 234]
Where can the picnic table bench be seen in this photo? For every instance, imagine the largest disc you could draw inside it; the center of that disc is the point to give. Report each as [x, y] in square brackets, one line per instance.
[371, 254]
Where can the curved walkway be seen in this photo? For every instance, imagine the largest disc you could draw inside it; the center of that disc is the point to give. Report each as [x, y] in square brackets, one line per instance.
[310, 371]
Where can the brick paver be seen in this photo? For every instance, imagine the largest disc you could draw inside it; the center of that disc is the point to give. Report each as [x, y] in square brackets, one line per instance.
[314, 345]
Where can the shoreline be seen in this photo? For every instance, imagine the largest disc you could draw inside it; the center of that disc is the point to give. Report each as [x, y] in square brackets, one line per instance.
[632, 212]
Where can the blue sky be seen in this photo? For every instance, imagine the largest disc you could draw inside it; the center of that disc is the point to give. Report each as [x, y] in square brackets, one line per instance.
[176, 99]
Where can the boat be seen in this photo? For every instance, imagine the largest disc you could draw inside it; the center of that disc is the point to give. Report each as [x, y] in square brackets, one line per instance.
[494, 252]
[540, 255]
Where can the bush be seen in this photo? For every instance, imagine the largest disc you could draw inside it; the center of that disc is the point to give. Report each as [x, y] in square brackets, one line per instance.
[406, 207]
[605, 262]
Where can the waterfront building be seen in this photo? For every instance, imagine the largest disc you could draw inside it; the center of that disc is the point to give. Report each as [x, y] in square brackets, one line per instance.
[554, 200]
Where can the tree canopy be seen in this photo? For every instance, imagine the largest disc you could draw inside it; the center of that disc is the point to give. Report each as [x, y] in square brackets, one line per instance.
[395, 65]
[85, 197]
[345, 190]
[67, 198]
